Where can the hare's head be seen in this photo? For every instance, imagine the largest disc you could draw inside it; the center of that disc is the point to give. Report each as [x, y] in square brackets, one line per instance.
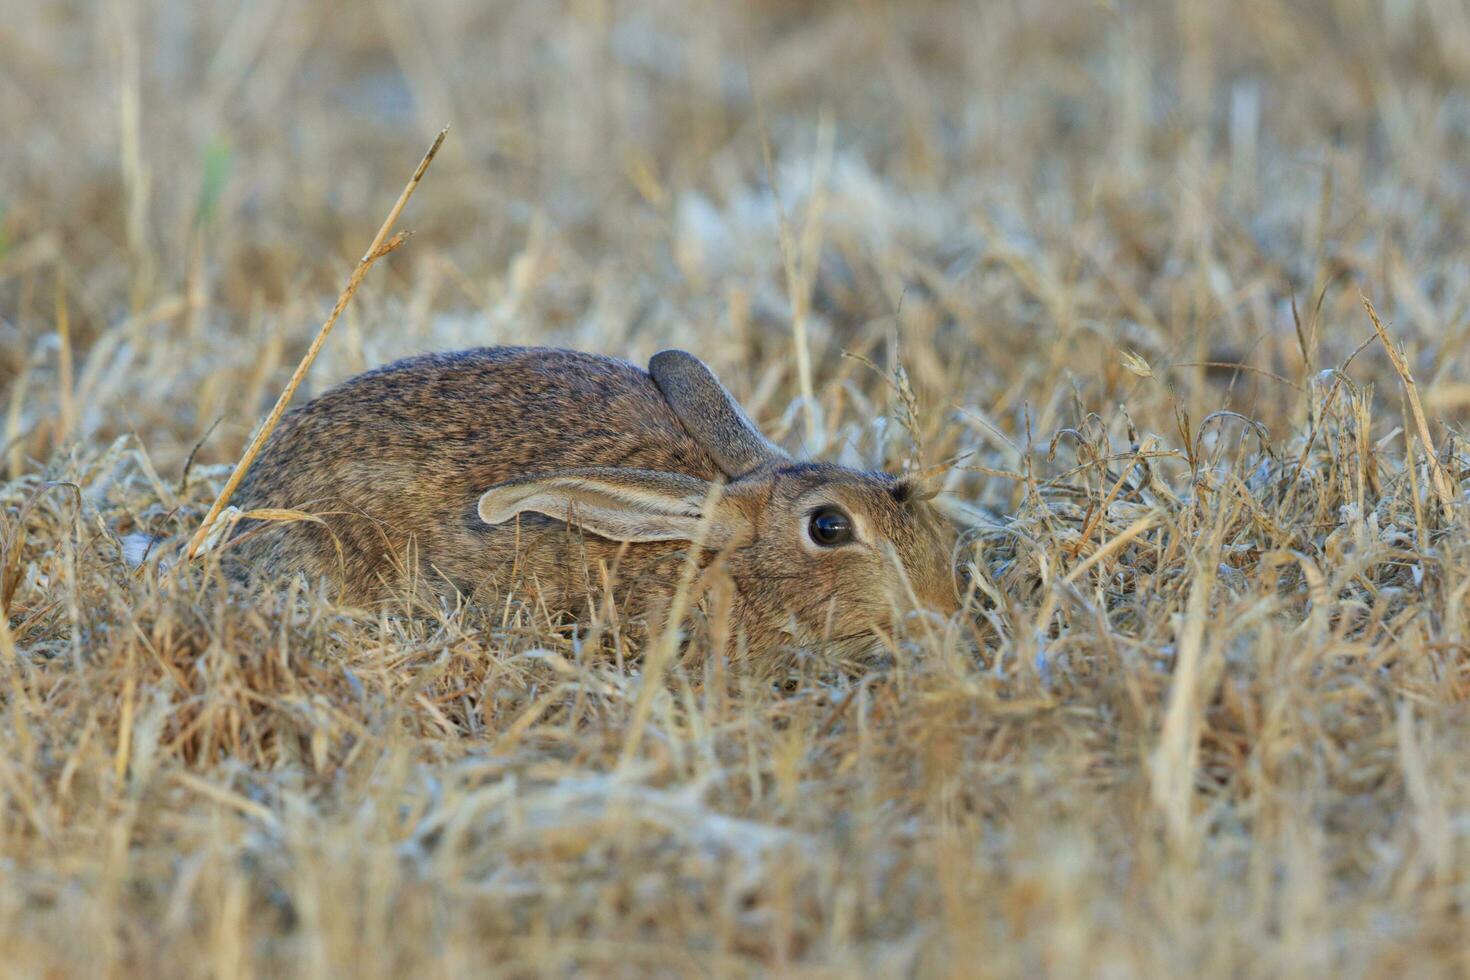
[817, 552]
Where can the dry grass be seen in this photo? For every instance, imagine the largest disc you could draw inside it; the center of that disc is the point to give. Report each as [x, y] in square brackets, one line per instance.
[1210, 717]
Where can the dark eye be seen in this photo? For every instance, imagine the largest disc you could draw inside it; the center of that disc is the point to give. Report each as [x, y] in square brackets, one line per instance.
[830, 527]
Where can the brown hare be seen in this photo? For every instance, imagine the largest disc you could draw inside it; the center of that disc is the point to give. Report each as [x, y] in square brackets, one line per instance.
[538, 472]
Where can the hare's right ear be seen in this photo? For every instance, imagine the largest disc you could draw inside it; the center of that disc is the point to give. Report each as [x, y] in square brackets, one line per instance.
[710, 414]
[621, 504]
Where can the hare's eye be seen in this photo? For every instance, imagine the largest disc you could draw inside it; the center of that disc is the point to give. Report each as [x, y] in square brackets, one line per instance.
[830, 527]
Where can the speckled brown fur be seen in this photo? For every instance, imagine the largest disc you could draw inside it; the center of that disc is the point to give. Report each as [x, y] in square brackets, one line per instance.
[396, 461]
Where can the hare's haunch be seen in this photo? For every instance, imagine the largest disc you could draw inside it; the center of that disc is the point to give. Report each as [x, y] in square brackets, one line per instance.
[541, 472]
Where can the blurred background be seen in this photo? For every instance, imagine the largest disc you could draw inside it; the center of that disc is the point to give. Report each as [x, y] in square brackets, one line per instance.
[1011, 195]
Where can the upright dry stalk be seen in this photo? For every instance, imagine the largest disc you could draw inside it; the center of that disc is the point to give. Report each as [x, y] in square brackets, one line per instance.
[1177, 755]
[134, 168]
[65, 380]
[1441, 479]
[800, 260]
[379, 248]
[658, 656]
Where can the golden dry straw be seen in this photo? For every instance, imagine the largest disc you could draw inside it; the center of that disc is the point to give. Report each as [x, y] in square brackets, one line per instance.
[1441, 479]
[380, 247]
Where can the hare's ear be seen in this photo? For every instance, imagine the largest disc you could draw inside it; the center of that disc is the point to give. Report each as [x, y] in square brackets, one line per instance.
[621, 504]
[710, 414]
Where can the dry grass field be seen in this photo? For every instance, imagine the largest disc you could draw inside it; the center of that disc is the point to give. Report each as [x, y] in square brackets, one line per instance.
[1205, 713]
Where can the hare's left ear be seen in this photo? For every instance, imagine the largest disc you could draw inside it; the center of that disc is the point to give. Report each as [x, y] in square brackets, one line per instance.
[710, 414]
[621, 504]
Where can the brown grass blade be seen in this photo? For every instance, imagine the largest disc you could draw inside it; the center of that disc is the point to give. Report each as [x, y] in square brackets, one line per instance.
[1441, 480]
[381, 246]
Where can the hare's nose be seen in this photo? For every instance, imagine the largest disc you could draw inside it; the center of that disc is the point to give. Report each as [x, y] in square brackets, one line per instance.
[933, 617]
[945, 605]
[942, 598]
[939, 603]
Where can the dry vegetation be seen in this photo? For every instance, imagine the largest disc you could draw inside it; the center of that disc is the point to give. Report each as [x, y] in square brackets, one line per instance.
[1209, 716]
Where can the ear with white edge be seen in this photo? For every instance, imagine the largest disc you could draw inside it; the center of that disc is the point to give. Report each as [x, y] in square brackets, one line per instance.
[619, 504]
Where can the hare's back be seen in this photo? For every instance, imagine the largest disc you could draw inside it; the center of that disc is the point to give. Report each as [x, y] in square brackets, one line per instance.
[454, 423]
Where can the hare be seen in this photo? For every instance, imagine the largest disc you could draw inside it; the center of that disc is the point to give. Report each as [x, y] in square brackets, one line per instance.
[544, 472]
